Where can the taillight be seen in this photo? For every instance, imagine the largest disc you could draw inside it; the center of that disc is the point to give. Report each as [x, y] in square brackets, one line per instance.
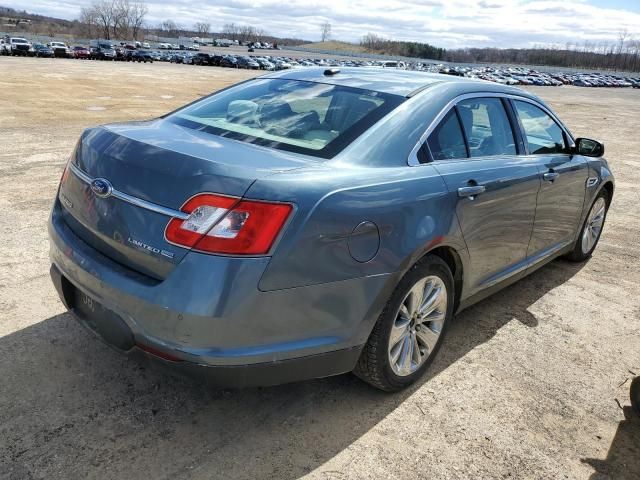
[219, 224]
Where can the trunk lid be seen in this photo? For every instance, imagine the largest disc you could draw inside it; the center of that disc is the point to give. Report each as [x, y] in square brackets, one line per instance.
[160, 163]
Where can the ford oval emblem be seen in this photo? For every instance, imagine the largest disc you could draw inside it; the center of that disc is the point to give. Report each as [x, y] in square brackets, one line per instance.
[101, 187]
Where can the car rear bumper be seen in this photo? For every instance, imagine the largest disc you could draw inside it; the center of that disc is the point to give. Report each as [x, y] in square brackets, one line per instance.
[113, 331]
[209, 314]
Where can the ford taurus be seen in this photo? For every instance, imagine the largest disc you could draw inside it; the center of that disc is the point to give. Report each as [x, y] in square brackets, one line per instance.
[314, 222]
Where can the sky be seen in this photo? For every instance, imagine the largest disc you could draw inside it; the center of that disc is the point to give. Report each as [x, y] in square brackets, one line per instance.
[444, 23]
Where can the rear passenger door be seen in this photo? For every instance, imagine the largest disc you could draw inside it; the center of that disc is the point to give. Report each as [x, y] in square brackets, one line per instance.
[563, 175]
[475, 148]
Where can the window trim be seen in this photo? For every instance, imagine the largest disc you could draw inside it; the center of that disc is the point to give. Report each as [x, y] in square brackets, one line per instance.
[516, 126]
[413, 161]
[465, 137]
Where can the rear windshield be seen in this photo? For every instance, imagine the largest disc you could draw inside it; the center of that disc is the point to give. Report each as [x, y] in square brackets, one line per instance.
[306, 117]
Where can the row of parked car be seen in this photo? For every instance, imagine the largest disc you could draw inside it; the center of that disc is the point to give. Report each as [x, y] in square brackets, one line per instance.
[21, 46]
[272, 62]
[506, 76]
[140, 52]
[99, 51]
[525, 76]
[252, 62]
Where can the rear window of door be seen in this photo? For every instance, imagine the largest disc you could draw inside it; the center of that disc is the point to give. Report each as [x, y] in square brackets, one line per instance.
[446, 142]
[487, 127]
[542, 134]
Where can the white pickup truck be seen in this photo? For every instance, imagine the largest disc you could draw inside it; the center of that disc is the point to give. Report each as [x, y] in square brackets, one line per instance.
[16, 46]
[60, 49]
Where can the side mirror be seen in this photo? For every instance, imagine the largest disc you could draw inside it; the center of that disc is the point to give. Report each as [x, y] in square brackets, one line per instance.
[589, 148]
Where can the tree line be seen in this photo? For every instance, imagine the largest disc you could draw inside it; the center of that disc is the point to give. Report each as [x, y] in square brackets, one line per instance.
[621, 55]
[231, 31]
[378, 44]
[127, 20]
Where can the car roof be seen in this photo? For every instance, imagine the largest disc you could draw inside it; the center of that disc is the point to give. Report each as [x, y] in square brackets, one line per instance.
[406, 83]
[397, 82]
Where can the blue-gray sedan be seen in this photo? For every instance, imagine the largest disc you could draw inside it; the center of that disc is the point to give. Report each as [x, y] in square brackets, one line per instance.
[315, 222]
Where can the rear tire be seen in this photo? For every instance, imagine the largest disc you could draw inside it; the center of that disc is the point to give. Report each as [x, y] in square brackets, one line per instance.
[380, 363]
[591, 229]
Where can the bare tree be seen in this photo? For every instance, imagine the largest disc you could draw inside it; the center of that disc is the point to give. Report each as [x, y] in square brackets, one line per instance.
[623, 35]
[169, 27]
[325, 31]
[373, 41]
[103, 14]
[88, 21]
[634, 51]
[260, 34]
[114, 18]
[246, 33]
[243, 33]
[119, 18]
[137, 12]
[202, 28]
[231, 30]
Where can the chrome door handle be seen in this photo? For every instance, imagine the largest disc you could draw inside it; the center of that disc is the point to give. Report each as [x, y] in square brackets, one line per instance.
[550, 176]
[471, 191]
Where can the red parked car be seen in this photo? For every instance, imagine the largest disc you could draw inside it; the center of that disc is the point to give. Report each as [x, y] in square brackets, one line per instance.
[81, 52]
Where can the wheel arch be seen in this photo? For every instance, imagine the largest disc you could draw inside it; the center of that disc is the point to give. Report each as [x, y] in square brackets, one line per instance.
[608, 187]
[452, 258]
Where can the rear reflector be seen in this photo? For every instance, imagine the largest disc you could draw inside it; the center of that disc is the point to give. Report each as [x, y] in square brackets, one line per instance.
[65, 174]
[158, 353]
[219, 224]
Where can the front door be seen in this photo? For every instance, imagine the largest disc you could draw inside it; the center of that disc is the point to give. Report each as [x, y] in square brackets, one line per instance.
[564, 177]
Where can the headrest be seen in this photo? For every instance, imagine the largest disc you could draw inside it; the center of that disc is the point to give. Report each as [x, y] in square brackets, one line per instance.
[242, 111]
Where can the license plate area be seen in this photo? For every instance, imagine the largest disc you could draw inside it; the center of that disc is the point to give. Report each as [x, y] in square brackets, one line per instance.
[105, 323]
[87, 307]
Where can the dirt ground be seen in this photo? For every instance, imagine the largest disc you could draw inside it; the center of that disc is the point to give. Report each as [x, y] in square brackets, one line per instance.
[531, 383]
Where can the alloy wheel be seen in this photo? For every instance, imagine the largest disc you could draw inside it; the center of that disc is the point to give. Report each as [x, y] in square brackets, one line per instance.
[417, 326]
[593, 226]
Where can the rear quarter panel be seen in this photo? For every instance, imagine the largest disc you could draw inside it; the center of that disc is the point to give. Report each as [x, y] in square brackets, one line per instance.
[411, 208]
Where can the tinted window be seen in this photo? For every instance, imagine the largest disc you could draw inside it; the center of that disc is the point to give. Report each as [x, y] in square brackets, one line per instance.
[446, 141]
[487, 127]
[317, 119]
[542, 133]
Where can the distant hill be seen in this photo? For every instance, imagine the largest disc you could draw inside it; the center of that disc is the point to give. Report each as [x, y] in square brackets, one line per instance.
[334, 45]
[24, 19]
[12, 20]
[376, 45]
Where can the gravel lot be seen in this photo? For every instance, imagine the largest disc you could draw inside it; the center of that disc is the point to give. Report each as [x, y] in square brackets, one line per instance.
[529, 383]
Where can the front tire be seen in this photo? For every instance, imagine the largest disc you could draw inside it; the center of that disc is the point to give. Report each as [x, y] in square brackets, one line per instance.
[591, 229]
[410, 329]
